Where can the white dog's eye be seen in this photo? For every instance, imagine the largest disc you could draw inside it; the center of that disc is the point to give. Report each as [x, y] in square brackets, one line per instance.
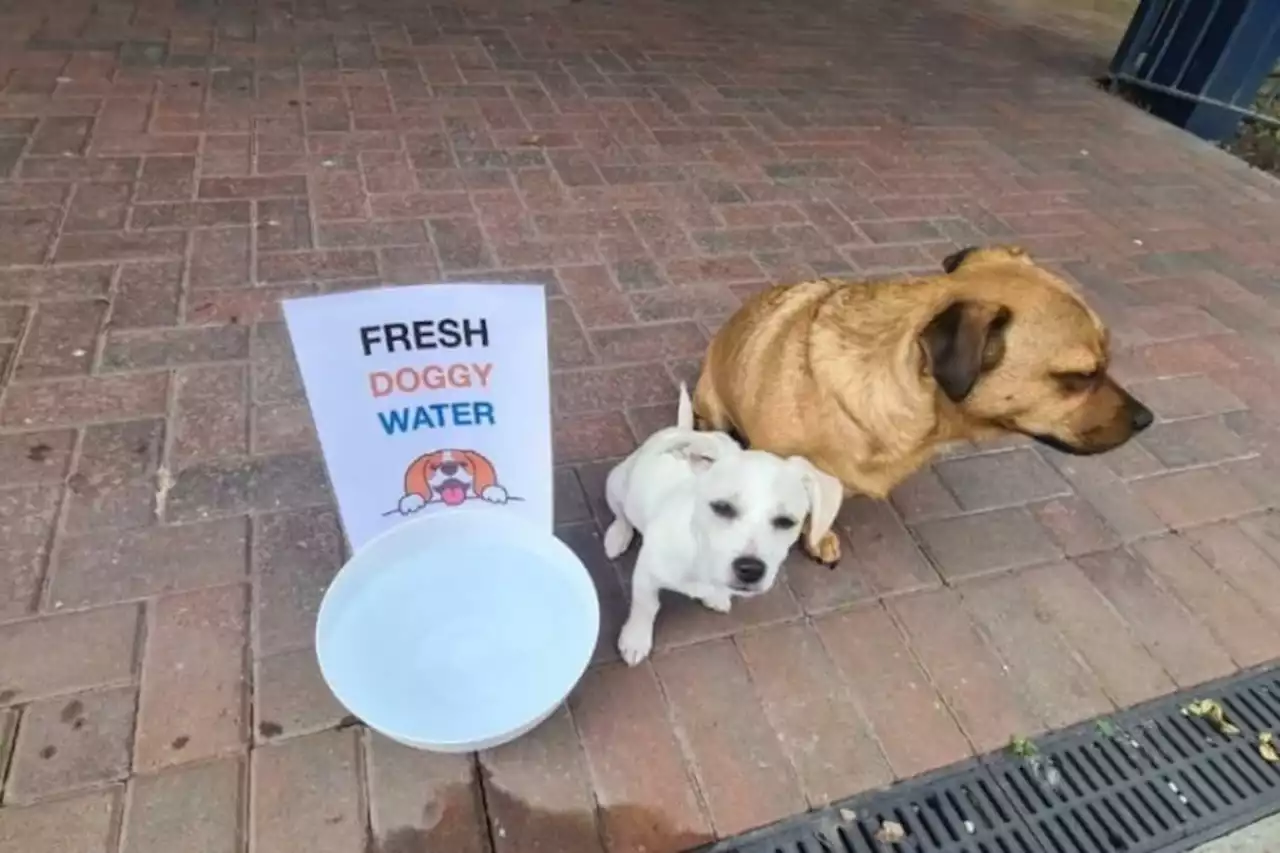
[724, 509]
[784, 522]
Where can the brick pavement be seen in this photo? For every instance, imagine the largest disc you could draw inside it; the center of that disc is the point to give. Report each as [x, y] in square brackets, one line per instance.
[169, 172]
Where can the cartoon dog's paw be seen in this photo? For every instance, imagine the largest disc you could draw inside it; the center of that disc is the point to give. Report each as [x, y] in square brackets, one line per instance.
[617, 538]
[494, 495]
[720, 601]
[411, 503]
[828, 550]
[635, 642]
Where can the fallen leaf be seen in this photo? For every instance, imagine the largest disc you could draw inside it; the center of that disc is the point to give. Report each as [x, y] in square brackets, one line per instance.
[1106, 728]
[1210, 710]
[535, 139]
[1022, 747]
[1267, 748]
[890, 832]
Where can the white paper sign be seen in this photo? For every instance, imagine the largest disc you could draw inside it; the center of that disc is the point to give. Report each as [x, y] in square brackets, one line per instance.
[429, 398]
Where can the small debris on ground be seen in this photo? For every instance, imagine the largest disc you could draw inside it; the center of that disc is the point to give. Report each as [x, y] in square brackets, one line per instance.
[890, 832]
[1045, 772]
[1105, 728]
[848, 815]
[1210, 711]
[1041, 768]
[1267, 748]
[1022, 747]
[164, 482]
[1258, 144]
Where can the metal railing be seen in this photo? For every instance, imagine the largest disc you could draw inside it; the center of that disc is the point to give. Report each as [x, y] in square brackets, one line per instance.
[1204, 64]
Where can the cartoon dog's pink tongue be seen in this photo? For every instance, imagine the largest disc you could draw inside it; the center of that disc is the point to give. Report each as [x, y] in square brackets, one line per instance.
[453, 493]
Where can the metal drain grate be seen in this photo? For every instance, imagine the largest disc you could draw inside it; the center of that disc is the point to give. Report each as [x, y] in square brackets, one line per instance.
[1150, 778]
[958, 810]
[1147, 779]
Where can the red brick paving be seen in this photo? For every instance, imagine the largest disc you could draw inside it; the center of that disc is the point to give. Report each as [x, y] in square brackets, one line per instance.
[170, 170]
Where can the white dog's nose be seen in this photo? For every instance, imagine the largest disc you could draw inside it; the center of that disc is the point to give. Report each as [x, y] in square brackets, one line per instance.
[748, 569]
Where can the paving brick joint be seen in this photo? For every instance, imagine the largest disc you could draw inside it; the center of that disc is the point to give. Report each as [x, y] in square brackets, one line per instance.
[171, 169]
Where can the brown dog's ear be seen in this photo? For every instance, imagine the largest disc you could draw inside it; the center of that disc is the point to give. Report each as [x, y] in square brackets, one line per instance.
[954, 261]
[962, 341]
[973, 254]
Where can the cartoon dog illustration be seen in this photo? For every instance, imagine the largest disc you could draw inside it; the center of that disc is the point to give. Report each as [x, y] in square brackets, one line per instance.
[450, 477]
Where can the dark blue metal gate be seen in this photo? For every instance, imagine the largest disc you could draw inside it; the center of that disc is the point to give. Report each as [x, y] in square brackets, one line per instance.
[1204, 64]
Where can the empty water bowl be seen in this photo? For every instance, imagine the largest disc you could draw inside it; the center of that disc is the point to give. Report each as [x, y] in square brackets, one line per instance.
[459, 630]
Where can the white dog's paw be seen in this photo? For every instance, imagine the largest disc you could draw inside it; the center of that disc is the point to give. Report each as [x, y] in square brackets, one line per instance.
[494, 495]
[617, 538]
[411, 503]
[635, 642]
[720, 601]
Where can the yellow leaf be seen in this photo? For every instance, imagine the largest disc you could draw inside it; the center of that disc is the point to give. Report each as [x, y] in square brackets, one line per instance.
[1213, 713]
[1267, 748]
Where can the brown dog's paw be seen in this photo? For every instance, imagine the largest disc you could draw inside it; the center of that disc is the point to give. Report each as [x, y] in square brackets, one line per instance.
[828, 551]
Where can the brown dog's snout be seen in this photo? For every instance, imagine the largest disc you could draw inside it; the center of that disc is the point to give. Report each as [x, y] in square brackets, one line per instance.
[1140, 417]
[1109, 417]
[449, 469]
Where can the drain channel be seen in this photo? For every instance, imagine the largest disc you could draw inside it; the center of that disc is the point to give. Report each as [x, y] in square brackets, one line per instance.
[1150, 778]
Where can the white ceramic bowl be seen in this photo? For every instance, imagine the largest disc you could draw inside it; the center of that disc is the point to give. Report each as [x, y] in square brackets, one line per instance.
[459, 630]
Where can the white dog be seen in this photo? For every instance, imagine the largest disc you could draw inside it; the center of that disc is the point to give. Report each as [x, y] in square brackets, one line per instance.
[717, 520]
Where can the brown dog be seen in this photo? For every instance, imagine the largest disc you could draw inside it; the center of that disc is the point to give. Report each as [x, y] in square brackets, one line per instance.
[868, 379]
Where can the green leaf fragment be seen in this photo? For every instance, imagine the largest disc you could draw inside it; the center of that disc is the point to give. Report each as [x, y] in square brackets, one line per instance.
[1023, 747]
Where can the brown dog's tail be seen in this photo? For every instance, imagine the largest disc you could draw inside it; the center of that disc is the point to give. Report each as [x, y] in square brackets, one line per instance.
[684, 413]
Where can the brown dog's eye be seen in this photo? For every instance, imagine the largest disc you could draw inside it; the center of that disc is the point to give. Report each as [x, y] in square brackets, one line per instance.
[724, 509]
[784, 522]
[1077, 382]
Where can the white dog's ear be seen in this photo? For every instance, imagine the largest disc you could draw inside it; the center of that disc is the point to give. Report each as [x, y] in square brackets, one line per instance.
[684, 411]
[826, 494]
[701, 449]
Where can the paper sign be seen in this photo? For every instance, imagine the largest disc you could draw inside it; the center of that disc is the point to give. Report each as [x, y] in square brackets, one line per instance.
[429, 398]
